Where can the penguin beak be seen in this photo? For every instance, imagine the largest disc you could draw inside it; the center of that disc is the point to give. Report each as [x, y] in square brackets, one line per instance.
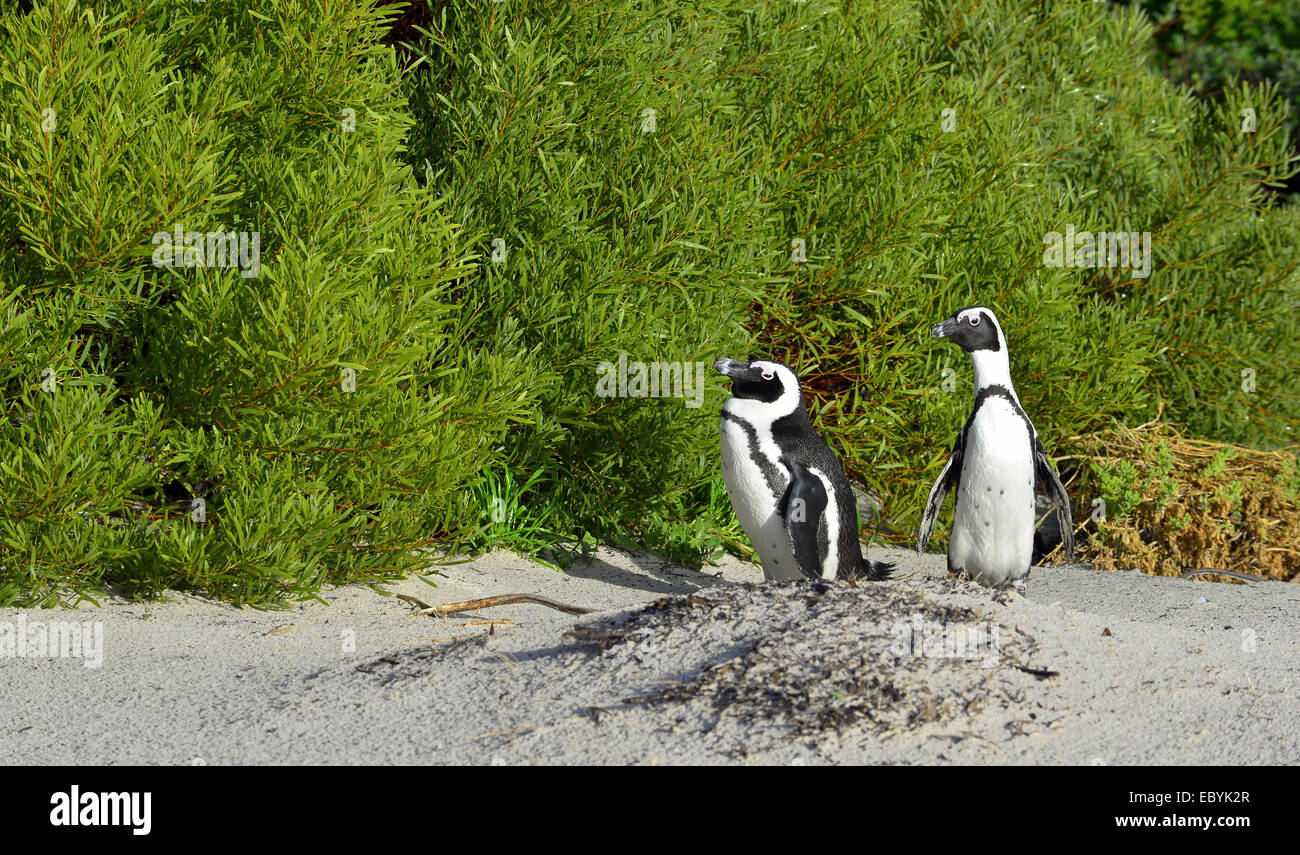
[944, 330]
[733, 368]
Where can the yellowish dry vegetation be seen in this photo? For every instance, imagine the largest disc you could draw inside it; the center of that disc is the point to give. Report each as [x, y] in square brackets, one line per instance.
[1167, 504]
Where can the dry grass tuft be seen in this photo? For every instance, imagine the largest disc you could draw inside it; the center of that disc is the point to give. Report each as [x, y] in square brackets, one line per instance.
[1170, 504]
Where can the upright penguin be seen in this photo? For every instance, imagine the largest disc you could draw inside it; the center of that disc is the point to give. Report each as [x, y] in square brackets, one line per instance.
[787, 486]
[994, 465]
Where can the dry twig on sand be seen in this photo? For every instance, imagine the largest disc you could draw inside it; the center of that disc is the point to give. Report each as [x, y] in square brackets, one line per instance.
[1245, 577]
[488, 602]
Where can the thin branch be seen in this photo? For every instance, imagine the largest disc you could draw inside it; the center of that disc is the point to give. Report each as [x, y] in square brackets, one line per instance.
[500, 600]
[1244, 577]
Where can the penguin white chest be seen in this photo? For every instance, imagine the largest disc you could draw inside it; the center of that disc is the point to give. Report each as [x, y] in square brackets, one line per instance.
[993, 527]
[755, 483]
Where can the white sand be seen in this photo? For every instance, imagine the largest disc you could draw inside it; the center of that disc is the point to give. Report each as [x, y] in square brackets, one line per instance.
[1190, 672]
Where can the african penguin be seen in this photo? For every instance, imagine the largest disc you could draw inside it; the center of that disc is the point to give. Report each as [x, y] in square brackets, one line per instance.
[787, 486]
[994, 465]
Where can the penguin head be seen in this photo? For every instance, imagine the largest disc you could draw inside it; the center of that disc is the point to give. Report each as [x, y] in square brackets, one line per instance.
[771, 386]
[974, 328]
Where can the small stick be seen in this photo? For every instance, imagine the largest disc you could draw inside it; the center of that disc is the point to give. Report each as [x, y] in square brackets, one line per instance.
[1231, 573]
[421, 603]
[501, 600]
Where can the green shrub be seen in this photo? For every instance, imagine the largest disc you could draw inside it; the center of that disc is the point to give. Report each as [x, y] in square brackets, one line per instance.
[825, 123]
[613, 240]
[1207, 44]
[249, 437]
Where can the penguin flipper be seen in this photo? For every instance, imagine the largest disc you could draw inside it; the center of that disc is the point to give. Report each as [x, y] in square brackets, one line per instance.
[803, 507]
[1055, 490]
[943, 484]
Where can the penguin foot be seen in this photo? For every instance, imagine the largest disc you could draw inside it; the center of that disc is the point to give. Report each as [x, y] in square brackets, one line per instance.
[1011, 592]
[1006, 596]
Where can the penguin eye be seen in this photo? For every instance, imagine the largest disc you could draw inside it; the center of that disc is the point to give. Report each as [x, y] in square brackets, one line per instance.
[768, 375]
[975, 320]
